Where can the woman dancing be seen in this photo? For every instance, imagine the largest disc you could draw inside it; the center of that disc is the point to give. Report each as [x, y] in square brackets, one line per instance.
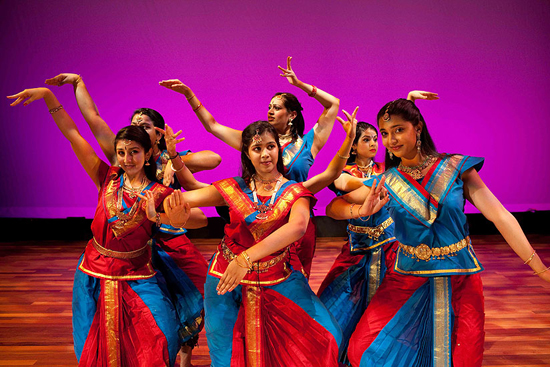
[428, 311]
[258, 311]
[298, 150]
[122, 315]
[181, 263]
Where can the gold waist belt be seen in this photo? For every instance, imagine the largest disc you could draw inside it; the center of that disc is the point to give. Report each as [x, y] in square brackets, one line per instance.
[119, 254]
[424, 252]
[258, 265]
[371, 232]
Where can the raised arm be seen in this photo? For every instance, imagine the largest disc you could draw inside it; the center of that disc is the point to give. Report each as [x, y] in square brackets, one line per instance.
[84, 152]
[337, 164]
[226, 134]
[420, 94]
[102, 132]
[331, 104]
[288, 233]
[478, 194]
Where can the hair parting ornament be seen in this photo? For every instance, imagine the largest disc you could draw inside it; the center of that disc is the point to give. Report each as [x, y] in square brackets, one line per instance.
[386, 116]
[257, 139]
[139, 118]
[127, 142]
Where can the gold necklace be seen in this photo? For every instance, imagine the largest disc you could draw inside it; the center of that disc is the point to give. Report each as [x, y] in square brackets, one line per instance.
[267, 185]
[133, 191]
[366, 170]
[416, 171]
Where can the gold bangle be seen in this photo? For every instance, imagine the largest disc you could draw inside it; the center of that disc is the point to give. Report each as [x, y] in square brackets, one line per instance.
[530, 258]
[177, 170]
[238, 263]
[197, 108]
[342, 156]
[247, 259]
[542, 271]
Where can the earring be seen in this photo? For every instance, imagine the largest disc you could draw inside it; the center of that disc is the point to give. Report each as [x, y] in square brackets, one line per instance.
[289, 122]
[354, 151]
[158, 142]
[418, 143]
[147, 163]
[391, 154]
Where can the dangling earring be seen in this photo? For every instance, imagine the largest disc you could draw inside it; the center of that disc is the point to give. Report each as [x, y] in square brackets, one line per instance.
[290, 122]
[354, 151]
[418, 143]
[147, 162]
[390, 154]
[158, 142]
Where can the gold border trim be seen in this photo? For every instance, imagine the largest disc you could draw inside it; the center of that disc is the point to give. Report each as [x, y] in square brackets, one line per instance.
[372, 232]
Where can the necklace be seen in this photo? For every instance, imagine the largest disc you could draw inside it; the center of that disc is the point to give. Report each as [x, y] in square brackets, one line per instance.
[267, 185]
[366, 170]
[262, 208]
[285, 138]
[416, 171]
[133, 191]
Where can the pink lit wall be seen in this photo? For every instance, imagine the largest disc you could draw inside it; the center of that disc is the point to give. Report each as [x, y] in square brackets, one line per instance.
[488, 60]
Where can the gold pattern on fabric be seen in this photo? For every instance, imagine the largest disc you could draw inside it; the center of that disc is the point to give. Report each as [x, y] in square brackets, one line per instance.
[442, 322]
[191, 330]
[377, 244]
[372, 232]
[445, 173]
[477, 267]
[414, 201]
[112, 321]
[257, 266]
[424, 252]
[119, 254]
[289, 153]
[119, 277]
[374, 273]
[286, 274]
[252, 325]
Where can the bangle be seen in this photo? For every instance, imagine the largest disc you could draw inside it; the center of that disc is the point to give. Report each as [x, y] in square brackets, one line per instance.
[342, 156]
[157, 220]
[530, 258]
[197, 108]
[190, 98]
[364, 220]
[247, 259]
[351, 210]
[54, 110]
[176, 170]
[77, 80]
[542, 271]
[313, 91]
[177, 155]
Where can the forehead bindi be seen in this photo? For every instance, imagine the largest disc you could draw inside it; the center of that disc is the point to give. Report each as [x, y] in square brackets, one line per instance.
[141, 120]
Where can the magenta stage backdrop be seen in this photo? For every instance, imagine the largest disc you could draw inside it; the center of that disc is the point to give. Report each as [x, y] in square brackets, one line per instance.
[488, 60]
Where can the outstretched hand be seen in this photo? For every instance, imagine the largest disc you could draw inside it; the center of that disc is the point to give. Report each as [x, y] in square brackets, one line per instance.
[288, 73]
[231, 277]
[420, 94]
[171, 138]
[349, 125]
[29, 96]
[177, 209]
[64, 78]
[177, 86]
[375, 200]
[149, 205]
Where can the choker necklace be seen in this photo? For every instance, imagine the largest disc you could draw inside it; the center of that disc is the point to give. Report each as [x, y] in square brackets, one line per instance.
[416, 171]
[284, 138]
[262, 208]
[133, 191]
[366, 170]
[267, 185]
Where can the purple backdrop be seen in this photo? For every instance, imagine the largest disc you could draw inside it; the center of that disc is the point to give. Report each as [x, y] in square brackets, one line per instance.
[488, 60]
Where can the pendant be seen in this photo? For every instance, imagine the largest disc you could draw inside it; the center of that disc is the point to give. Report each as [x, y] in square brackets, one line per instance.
[263, 210]
[268, 187]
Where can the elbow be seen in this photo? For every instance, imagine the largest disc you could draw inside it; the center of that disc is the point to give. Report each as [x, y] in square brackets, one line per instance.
[300, 227]
[214, 160]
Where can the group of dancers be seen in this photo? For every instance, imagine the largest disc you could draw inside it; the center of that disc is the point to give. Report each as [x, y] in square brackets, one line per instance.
[404, 291]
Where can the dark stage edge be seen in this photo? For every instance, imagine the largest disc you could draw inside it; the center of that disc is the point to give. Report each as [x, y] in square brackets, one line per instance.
[74, 229]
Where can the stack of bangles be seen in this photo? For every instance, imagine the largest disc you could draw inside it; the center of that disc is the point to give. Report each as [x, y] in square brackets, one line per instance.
[172, 164]
[358, 215]
[246, 259]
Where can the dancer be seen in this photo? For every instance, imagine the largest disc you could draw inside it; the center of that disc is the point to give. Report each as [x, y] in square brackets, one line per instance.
[429, 310]
[122, 315]
[298, 150]
[181, 263]
[257, 309]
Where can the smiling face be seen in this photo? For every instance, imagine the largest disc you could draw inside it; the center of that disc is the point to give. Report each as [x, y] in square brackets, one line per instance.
[399, 136]
[367, 144]
[278, 115]
[131, 156]
[264, 155]
[146, 123]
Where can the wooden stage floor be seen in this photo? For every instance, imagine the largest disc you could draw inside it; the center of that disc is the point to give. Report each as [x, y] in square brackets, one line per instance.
[36, 285]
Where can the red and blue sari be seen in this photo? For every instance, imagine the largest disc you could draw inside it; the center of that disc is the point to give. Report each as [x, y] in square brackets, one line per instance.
[272, 318]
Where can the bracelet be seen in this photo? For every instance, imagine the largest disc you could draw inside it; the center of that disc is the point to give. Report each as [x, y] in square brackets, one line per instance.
[54, 110]
[364, 220]
[176, 170]
[247, 258]
[177, 155]
[157, 221]
[313, 91]
[542, 271]
[190, 98]
[342, 156]
[197, 108]
[181, 226]
[530, 258]
[77, 80]
[351, 210]
[241, 265]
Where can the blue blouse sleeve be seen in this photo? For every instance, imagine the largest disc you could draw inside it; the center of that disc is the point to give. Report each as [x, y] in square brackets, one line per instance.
[469, 162]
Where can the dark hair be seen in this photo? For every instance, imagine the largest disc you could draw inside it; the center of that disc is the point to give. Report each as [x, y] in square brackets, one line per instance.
[140, 136]
[292, 104]
[408, 111]
[158, 121]
[259, 127]
[361, 127]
